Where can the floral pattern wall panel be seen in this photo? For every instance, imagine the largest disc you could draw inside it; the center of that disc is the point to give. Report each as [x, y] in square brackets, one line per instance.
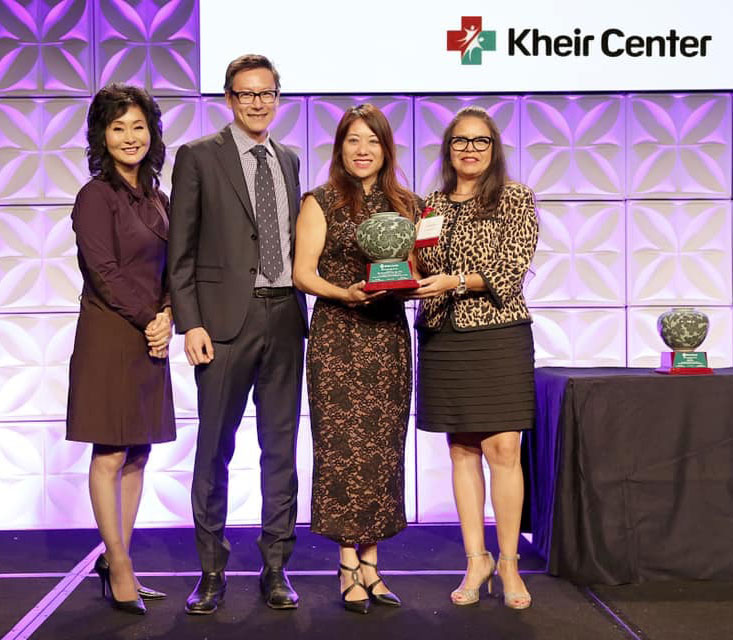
[38, 266]
[149, 43]
[45, 47]
[580, 256]
[573, 146]
[42, 144]
[679, 252]
[679, 146]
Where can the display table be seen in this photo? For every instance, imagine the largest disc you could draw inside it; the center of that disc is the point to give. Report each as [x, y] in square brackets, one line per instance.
[630, 474]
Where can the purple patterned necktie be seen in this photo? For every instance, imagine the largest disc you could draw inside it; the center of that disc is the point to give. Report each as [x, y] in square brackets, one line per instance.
[271, 258]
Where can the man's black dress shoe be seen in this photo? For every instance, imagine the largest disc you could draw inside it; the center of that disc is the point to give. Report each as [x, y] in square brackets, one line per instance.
[276, 589]
[207, 594]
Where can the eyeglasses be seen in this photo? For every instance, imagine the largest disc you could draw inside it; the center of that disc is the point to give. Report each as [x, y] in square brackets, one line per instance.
[459, 143]
[248, 97]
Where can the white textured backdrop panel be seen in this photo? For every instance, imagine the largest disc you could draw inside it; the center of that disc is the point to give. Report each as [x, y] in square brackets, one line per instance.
[62, 456]
[181, 124]
[323, 118]
[434, 489]
[166, 499]
[42, 145]
[22, 450]
[38, 267]
[45, 47]
[149, 43]
[580, 255]
[679, 252]
[432, 116]
[679, 145]
[435, 501]
[64, 163]
[573, 146]
[411, 472]
[182, 379]
[21, 143]
[645, 345]
[23, 503]
[179, 454]
[579, 337]
[66, 503]
[34, 356]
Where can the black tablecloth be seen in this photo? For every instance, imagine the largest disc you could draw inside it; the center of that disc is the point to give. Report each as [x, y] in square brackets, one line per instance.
[630, 474]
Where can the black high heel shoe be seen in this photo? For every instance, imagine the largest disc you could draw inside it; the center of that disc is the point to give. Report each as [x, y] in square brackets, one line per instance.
[356, 606]
[389, 599]
[146, 593]
[101, 566]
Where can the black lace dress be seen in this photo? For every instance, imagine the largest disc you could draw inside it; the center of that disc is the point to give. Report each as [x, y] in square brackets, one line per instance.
[358, 370]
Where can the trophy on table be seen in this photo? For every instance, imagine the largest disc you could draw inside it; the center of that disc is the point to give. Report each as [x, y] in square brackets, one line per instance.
[683, 329]
[386, 239]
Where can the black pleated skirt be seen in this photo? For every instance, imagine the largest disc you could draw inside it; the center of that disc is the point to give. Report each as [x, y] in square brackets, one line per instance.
[476, 381]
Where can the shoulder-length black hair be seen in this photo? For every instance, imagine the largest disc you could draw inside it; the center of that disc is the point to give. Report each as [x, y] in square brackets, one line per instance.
[492, 181]
[109, 104]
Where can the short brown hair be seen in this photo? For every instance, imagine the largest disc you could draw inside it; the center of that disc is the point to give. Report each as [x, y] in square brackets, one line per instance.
[245, 63]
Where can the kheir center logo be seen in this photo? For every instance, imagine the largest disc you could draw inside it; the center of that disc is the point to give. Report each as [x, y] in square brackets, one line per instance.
[471, 40]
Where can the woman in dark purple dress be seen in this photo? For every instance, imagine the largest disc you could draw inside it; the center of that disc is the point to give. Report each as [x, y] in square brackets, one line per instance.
[120, 396]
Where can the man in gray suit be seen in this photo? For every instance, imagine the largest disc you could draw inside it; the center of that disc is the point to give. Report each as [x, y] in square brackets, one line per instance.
[234, 203]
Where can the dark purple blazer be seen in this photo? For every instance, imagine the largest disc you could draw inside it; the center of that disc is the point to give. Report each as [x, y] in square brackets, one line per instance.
[121, 236]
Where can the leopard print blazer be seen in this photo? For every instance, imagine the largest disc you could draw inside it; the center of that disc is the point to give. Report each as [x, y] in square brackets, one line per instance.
[499, 248]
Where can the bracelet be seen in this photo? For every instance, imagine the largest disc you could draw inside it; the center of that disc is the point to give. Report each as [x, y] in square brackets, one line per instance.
[461, 288]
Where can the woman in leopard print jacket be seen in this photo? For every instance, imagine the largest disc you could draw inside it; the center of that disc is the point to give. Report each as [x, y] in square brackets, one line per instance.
[475, 378]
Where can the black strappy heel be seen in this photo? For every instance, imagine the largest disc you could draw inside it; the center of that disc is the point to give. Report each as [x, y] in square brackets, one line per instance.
[356, 606]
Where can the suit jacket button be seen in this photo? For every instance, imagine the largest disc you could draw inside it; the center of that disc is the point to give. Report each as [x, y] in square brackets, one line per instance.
[253, 271]
[254, 236]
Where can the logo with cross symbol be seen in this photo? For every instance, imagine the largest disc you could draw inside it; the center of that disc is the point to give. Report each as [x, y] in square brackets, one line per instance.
[471, 41]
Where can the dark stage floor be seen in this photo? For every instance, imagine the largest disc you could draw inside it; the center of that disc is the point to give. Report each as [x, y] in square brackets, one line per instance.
[47, 593]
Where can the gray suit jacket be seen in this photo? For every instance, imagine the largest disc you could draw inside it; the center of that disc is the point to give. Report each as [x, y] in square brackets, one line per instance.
[213, 248]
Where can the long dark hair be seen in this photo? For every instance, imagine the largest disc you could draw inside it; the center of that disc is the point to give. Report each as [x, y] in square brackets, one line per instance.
[492, 181]
[349, 187]
[110, 103]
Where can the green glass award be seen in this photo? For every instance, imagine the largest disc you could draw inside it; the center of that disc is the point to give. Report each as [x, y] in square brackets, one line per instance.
[386, 239]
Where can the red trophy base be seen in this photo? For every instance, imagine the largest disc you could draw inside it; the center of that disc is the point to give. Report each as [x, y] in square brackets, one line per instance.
[684, 363]
[387, 276]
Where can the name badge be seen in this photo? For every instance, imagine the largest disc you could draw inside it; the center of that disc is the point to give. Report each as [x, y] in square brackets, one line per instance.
[428, 231]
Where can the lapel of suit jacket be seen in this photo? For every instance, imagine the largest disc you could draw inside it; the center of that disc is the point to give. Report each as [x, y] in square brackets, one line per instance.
[290, 181]
[229, 159]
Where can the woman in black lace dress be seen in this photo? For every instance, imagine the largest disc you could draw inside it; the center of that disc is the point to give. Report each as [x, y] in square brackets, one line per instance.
[358, 361]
